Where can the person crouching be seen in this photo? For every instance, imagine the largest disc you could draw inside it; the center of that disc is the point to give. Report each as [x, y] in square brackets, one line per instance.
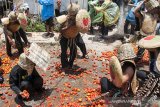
[24, 78]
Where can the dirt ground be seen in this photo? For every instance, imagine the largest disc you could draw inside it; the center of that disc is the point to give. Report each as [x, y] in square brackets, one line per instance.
[73, 88]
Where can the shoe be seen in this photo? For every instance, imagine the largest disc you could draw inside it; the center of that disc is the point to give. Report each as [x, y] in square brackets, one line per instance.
[51, 34]
[85, 56]
[46, 35]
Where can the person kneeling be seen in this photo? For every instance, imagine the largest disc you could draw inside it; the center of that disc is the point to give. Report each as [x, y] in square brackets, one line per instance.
[24, 79]
[122, 73]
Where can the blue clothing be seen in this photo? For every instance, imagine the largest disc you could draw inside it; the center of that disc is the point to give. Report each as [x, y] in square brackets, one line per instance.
[131, 17]
[47, 9]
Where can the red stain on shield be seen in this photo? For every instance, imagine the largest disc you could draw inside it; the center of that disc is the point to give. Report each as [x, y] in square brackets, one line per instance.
[149, 38]
[23, 21]
[85, 21]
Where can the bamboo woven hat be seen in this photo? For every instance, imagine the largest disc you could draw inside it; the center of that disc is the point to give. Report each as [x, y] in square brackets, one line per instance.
[25, 63]
[126, 52]
[73, 9]
[12, 15]
[151, 4]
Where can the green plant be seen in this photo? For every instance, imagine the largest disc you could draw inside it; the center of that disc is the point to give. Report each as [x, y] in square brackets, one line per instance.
[35, 26]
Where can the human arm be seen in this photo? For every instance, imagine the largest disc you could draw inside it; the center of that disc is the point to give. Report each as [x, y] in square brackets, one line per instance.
[132, 5]
[139, 6]
[7, 34]
[13, 81]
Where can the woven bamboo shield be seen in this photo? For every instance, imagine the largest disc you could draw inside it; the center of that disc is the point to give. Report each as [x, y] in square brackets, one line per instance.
[150, 42]
[116, 71]
[22, 18]
[148, 25]
[83, 21]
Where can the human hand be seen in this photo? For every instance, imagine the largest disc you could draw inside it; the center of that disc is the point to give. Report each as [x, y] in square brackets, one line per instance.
[24, 94]
[12, 42]
[26, 51]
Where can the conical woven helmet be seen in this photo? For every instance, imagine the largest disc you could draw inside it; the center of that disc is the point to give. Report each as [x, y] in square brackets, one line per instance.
[126, 52]
[73, 9]
[12, 15]
[151, 4]
[25, 63]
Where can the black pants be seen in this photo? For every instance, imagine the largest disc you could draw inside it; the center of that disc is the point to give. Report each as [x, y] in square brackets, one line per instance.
[63, 13]
[140, 54]
[65, 43]
[18, 43]
[80, 43]
[106, 85]
[23, 35]
[57, 12]
[137, 24]
[104, 30]
[34, 85]
[127, 23]
[91, 29]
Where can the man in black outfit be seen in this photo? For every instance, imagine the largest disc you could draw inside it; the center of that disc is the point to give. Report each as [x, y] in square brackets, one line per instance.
[12, 33]
[24, 77]
[80, 43]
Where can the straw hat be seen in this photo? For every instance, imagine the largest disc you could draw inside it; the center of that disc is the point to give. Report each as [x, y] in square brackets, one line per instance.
[26, 64]
[12, 15]
[73, 9]
[1, 30]
[5, 21]
[151, 4]
[126, 52]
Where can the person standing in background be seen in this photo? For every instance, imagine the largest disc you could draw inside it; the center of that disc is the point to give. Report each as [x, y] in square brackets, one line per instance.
[57, 7]
[47, 15]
